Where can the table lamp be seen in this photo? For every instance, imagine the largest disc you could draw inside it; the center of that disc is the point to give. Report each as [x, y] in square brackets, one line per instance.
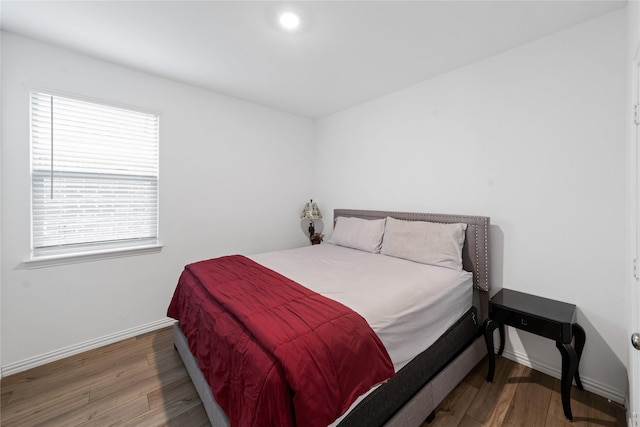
[311, 212]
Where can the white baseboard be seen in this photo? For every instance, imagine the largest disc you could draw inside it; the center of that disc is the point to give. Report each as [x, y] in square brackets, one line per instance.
[632, 417]
[52, 356]
[588, 383]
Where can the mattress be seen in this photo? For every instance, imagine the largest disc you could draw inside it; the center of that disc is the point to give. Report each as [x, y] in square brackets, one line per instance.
[409, 305]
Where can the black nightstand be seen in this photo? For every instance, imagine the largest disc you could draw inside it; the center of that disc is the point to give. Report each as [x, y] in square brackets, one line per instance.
[544, 317]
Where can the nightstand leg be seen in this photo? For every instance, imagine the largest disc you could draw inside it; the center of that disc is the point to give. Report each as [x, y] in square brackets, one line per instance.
[580, 339]
[490, 326]
[569, 368]
[501, 331]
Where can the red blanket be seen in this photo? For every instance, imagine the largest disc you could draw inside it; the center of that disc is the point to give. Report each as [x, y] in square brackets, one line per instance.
[274, 352]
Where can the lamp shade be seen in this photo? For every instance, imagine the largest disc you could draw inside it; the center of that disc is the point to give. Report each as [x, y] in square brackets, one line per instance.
[311, 211]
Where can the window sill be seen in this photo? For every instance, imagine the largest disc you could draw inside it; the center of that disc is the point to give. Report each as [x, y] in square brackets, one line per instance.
[95, 255]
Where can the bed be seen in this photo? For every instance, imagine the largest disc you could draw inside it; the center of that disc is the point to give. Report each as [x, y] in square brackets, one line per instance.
[427, 366]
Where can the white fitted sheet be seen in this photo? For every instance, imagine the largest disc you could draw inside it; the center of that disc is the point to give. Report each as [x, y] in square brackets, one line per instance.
[409, 305]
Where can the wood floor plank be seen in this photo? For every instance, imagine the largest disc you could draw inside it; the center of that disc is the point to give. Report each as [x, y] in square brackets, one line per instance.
[478, 375]
[176, 390]
[76, 380]
[148, 376]
[160, 355]
[118, 415]
[50, 370]
[580, 402]
[93, 412]
[531, 399]
[162, 414]
[165, 371]
[81, 369]
[196, 417]
[43, 412]
[604, 413]
[494, 399]
[5, 397]
[467, 421]
[141, 381]
[453, 409]
[134, 350]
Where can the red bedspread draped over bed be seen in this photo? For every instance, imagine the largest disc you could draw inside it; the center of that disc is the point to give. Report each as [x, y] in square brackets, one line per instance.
[274, 352]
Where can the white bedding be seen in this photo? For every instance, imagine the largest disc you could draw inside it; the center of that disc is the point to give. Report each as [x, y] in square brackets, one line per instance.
[409, 305]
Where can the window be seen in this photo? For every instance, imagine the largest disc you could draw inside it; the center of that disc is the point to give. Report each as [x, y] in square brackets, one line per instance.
[94, 177]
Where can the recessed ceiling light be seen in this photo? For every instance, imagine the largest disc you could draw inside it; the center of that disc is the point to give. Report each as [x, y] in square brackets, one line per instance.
[289, 21]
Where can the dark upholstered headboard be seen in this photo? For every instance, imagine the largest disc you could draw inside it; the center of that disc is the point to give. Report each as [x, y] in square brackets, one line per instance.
[475, 253]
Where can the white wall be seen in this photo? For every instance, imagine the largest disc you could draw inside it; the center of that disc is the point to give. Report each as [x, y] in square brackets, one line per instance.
[233, 179]
[533, 138]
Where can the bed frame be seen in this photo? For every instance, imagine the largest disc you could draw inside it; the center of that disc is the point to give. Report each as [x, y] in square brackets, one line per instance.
[412, 395]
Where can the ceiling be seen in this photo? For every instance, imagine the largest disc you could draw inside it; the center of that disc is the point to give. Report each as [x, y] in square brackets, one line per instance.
[345, 52]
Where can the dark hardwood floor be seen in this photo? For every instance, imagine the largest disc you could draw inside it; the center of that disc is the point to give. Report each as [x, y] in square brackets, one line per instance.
[141, 382]
[521, 396]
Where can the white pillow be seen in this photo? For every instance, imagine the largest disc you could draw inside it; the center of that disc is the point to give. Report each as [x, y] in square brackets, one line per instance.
[425, 242]
[358, 233]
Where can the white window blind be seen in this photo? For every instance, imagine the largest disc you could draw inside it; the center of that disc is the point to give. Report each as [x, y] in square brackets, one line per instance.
[94, 176]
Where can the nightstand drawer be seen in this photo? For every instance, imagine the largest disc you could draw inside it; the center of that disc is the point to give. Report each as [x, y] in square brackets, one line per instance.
[528, 323]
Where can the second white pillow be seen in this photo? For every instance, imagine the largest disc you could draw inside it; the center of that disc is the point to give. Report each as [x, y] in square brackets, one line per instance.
[425, 242]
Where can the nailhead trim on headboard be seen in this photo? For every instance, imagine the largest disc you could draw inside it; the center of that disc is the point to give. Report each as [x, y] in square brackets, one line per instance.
[475, 251]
